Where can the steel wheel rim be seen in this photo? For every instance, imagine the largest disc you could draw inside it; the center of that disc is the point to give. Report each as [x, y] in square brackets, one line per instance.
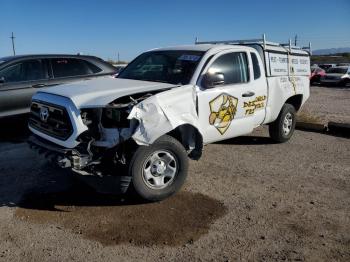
[287, 123]
[160, 169]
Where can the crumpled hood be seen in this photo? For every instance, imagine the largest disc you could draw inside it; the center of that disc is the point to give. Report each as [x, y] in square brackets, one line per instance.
[99, 92]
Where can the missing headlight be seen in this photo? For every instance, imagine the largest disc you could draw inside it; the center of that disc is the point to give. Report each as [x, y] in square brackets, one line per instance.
[115, 118]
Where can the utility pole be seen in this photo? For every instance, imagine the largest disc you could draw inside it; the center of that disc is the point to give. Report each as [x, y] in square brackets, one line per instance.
[295, 40]
[13, 44]
[118, 58]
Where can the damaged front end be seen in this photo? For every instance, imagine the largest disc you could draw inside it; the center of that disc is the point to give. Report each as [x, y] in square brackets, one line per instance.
[114, 132]
[108, 138]
[105, 133]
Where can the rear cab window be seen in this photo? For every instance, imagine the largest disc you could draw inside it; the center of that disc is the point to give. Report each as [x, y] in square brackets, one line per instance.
[256, 66]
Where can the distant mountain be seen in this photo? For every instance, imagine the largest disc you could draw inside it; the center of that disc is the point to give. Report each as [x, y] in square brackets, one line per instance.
[331, 51]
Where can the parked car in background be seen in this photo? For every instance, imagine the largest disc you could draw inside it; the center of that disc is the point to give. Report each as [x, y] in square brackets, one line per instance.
[339, 75]
[22, 76]
[316, 74]
[326, 66]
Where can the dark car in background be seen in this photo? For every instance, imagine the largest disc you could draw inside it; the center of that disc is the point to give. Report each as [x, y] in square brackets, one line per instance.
[22, 76]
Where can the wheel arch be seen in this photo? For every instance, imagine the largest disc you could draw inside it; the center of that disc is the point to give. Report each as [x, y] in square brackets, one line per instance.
[295, 101]
[190, 137]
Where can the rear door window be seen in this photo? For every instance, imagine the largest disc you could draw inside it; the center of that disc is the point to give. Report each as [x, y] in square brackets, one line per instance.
[66, 67]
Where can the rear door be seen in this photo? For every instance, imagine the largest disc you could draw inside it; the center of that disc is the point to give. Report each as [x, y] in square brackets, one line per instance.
[237, 106]
[21, 80]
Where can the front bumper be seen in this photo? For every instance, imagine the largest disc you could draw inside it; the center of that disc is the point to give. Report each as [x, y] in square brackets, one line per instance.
[331, 81]
[70, 158]
[63, 157]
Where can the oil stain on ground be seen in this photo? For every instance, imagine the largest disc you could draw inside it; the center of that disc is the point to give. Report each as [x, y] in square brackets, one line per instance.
[111, 220]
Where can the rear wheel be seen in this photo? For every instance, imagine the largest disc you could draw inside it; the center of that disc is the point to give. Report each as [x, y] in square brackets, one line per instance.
[159, 170]
[282, 129]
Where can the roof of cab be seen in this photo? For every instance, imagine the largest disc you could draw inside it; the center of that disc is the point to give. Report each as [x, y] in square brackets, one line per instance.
[203, 48]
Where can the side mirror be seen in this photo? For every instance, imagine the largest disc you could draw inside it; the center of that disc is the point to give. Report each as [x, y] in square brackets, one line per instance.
[2, 80]
[213, 80]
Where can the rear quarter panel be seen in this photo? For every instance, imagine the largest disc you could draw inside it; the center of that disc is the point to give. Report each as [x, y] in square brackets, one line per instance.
[287, 76]
[280, 89]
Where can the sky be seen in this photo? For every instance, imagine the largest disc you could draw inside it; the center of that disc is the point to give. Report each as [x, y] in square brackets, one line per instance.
[105, 28]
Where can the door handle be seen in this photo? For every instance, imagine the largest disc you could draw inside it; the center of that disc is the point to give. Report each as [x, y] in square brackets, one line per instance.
[38, 85]
[248, 94]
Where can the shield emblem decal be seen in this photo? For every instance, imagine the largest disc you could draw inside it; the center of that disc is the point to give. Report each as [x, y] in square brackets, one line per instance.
[222, 111]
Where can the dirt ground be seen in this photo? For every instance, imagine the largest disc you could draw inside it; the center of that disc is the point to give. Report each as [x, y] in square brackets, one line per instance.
[327, 104]
[245, 200]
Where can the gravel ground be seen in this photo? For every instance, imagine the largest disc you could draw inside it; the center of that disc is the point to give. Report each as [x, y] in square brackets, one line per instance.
[246, 199]
[327, 104]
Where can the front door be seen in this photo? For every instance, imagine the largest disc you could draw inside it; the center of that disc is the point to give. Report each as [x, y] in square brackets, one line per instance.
[21, 81]
[237, 105]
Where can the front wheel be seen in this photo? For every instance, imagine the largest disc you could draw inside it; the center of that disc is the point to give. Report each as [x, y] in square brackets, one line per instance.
[160, 169]
[282, 129]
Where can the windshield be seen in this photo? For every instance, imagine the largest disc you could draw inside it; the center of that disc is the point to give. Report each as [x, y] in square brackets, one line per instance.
[174, 67]
[336, 70]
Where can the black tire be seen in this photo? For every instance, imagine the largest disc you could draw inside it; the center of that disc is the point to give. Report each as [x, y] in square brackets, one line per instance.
[141, 159]
[276, 130]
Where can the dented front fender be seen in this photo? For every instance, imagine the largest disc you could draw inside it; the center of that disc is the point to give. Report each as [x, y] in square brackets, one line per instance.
[164, 112]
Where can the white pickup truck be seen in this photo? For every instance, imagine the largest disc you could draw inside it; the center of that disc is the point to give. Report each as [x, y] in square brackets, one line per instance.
[166, 105]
